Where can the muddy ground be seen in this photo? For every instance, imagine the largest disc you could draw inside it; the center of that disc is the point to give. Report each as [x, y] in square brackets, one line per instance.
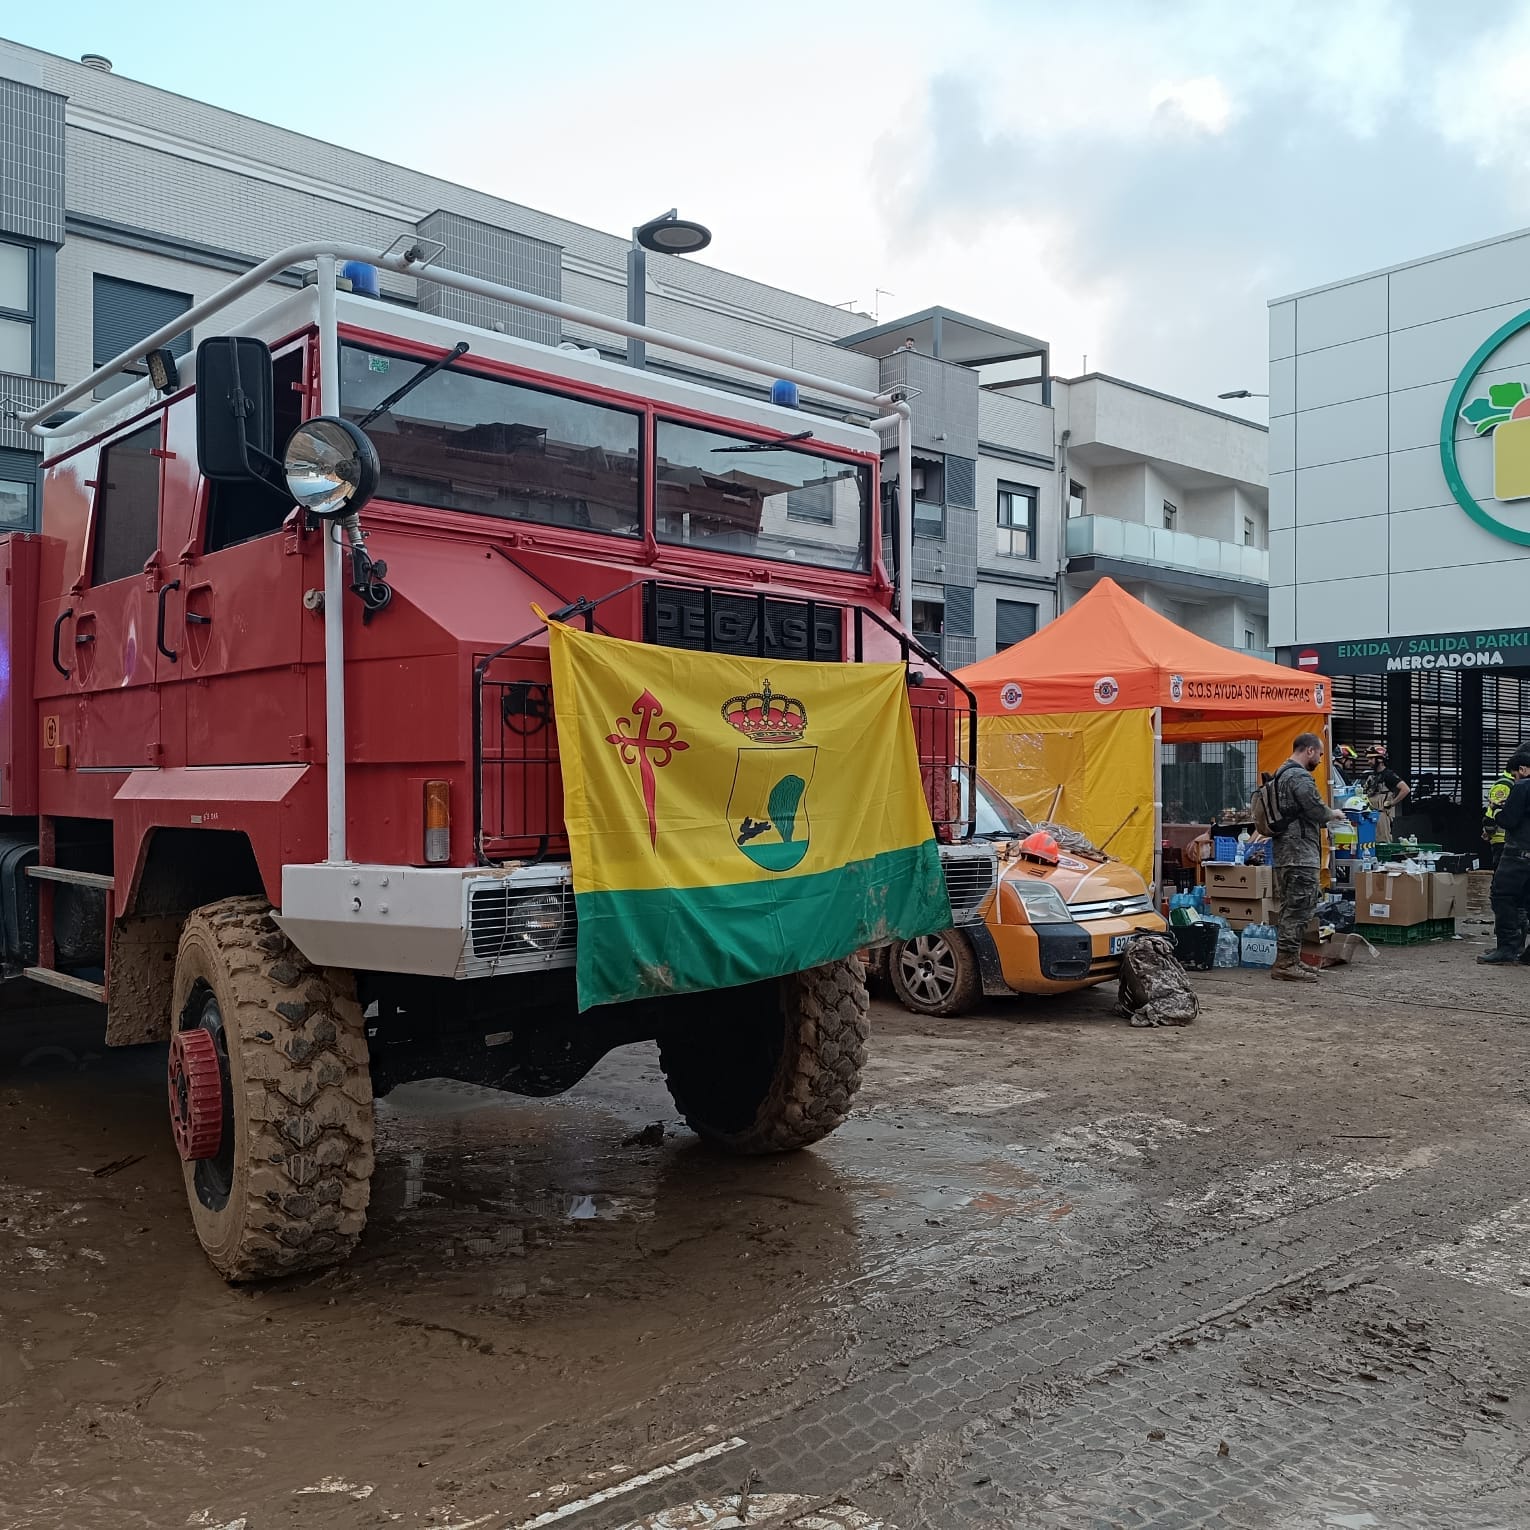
[1272, 1270]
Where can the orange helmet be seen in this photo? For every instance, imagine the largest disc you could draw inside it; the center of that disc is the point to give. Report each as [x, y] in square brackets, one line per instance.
[1040, 847]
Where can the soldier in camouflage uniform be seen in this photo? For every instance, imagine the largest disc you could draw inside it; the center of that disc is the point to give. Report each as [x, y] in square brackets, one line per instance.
[1299, 855]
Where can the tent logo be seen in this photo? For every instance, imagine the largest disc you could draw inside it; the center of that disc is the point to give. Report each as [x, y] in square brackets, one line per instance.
[1176, 687]
[1106, 690]
[1011, 696]
[1319, 695]
[1481, 407]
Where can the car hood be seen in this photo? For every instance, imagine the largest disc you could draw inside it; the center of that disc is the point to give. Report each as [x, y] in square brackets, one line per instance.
[1080, 881]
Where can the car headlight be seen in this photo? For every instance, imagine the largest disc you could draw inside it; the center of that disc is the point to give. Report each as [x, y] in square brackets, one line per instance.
[537, 922]
[1042, 903]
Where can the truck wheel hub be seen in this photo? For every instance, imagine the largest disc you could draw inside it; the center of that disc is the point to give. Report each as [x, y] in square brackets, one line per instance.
[196, 1095]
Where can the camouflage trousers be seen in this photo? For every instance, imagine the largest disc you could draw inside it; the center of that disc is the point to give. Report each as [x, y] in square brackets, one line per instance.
[1297, 888]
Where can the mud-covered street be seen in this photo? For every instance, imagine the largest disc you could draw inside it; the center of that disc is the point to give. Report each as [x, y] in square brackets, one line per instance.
[1272, 1270]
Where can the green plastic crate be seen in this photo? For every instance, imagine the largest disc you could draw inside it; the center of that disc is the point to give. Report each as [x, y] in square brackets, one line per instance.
[1391, 850]
[1408, 934]
[1395, 934]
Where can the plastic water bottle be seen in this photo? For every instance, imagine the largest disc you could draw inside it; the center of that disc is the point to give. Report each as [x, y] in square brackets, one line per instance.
[1228, 950]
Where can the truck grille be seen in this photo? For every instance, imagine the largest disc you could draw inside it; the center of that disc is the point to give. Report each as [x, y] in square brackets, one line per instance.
[1111, 908]
[969, 879]
[521, 925]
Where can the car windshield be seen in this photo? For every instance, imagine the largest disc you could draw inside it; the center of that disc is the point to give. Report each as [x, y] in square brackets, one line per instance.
[995, 816]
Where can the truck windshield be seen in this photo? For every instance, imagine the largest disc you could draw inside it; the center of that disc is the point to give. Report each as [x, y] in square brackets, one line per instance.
[788, 503]
[462, 441]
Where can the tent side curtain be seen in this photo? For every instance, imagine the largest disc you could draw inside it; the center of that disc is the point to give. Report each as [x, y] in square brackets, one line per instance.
[1095, 773]
[1276, 736]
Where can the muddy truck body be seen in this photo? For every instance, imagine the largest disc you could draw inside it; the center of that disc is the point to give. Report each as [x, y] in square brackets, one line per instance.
[281, 783]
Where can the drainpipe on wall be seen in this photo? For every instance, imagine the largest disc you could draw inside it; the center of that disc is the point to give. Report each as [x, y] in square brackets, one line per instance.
[1062, 500]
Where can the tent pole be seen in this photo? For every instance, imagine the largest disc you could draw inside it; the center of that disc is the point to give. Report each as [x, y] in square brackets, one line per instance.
[1157, 805]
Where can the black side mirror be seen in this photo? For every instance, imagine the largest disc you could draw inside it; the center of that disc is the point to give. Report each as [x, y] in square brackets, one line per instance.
[236, 403]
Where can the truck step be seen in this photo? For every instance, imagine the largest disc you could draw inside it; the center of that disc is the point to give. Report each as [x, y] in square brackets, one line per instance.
[67, 874]
[80, 987]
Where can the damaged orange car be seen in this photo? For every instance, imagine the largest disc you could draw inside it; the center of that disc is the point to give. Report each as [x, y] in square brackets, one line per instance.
[1032, 917]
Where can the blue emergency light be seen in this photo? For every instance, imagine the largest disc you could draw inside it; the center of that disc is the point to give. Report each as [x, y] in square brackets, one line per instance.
[784, 393]
[362, 277]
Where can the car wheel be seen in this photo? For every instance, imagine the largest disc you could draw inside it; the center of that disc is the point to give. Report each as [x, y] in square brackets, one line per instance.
[935, 974]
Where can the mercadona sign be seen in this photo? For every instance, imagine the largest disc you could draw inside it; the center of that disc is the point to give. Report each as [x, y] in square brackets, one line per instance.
[1436, 650]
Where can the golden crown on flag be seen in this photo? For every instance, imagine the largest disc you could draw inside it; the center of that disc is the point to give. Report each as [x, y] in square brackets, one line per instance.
[766, 717]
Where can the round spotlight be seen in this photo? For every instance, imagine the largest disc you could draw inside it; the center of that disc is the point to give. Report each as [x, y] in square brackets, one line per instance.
[670, 235]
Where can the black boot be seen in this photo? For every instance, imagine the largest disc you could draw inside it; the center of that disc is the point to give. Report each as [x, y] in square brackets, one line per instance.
[1499, 957]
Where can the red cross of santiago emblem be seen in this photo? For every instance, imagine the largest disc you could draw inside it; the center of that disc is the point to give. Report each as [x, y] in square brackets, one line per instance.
[653, 745]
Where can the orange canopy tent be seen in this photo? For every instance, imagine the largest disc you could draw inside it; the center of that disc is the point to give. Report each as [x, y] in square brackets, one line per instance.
[1070, 720]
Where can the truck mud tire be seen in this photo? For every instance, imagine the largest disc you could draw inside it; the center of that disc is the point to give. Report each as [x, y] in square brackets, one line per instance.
[287, 1188]
[774, 1066]
[936, 974]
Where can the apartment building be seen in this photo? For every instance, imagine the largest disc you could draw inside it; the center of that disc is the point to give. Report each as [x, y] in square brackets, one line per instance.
[121, 205]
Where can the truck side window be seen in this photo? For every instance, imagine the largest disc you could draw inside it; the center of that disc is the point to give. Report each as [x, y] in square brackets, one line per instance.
[127, 506]
[240, 512]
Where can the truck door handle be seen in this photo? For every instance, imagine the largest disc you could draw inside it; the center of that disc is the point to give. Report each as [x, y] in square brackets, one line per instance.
[198, 620]
[58, 627]
[159, 630]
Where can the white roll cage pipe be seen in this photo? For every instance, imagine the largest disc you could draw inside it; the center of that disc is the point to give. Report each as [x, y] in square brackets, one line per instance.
[326, 256]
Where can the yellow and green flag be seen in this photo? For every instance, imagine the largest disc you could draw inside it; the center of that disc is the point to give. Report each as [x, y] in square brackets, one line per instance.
[735, 819]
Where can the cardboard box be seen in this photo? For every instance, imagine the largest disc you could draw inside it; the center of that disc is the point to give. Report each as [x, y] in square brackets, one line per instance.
[1398, 899]
[1224, 881]
[1447, 893]
[1239, 911]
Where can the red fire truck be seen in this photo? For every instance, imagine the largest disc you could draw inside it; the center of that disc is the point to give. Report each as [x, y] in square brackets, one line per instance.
[280, 769]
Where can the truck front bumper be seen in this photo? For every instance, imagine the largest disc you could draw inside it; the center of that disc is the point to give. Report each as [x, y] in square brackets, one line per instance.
[436, 921]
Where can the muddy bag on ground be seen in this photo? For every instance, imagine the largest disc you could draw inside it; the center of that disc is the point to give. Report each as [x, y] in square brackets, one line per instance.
[1154, 988]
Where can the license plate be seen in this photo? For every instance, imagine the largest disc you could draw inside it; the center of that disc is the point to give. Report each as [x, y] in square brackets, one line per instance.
[1118, 943]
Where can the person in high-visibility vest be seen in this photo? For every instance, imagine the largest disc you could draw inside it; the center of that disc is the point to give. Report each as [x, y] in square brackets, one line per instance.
[1493, 831]
[1385, 789]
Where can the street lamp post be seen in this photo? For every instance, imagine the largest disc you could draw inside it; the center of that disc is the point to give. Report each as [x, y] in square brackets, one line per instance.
[1242, 393]
[669, 234]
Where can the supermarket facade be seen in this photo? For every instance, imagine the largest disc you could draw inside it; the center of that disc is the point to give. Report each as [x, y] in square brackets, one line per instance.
[1400, 508]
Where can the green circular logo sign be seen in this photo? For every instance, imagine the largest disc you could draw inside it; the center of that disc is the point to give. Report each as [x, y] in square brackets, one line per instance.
[1502, 411]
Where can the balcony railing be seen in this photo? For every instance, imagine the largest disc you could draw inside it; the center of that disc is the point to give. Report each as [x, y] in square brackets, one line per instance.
[18, 396]
[1101, 537]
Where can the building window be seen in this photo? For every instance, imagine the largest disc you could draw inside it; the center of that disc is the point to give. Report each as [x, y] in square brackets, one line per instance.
[125, 313]
[1018, 504]
[1248, 531]
[1078, 499]
[1013, 621]
[812, 502]
[18, 489]
[1170, 515]
[16, 309]
[929, 519]
[929, 619]
[127, 506]
[1248, 639]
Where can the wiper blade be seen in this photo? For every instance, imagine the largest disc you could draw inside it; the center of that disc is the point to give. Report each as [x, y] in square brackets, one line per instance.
[459, 349]
[767, 446]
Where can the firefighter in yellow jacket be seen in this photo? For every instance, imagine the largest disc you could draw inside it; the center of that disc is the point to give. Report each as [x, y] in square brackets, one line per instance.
[1492, 830]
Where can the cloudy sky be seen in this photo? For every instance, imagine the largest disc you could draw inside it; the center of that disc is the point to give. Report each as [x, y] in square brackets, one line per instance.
[1129, 180]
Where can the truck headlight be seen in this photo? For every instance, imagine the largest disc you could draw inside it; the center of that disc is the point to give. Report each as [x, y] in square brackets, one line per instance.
[1042, 903]
[537, 922]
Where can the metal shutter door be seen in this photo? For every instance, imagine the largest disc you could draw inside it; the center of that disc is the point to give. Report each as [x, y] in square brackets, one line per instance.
[123, 313]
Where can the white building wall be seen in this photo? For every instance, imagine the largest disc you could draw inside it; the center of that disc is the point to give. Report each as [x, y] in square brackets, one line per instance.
[1366, 539]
